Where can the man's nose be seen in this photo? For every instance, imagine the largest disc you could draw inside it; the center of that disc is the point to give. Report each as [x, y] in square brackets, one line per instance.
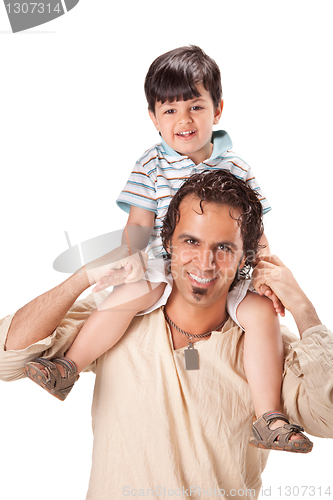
[205, 259]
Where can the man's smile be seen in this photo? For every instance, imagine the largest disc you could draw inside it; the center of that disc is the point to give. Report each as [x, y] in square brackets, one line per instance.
[201, 281]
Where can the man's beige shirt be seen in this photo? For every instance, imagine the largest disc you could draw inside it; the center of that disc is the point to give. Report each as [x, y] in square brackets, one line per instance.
[159, 429]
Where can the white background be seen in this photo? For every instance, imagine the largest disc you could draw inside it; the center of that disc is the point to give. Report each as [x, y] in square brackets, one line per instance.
[74, 120]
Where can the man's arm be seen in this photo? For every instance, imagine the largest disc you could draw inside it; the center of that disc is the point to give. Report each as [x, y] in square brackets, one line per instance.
[39, 318]
[273, 273]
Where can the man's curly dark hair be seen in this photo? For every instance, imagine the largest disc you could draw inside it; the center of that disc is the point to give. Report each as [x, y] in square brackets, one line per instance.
[220, 186]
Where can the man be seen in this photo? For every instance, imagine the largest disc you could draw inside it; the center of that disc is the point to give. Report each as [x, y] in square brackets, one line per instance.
[158, 426]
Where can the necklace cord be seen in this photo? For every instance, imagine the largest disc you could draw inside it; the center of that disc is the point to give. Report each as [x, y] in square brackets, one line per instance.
[191, 335]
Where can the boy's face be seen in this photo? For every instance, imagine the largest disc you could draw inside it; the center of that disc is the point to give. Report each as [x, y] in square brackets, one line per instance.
[186, 126]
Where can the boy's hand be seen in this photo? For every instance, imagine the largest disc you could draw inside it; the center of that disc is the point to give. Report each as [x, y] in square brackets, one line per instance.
[127, 270]
[268, 292]
[272, 277]
[262, 287]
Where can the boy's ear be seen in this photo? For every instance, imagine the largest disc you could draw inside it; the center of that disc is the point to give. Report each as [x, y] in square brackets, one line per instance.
[218, 112]
[153, 119]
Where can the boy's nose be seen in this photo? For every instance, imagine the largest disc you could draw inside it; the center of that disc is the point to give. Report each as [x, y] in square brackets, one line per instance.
[185, 117]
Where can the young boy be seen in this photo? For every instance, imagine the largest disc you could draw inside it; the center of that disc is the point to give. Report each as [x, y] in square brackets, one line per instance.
[184, 94]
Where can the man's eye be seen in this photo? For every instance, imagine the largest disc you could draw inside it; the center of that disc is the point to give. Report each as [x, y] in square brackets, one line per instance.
[225, 248]
[190, 241]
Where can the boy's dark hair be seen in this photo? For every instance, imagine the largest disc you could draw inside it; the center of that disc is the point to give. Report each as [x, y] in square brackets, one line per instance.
[220, 186]
[175, 75]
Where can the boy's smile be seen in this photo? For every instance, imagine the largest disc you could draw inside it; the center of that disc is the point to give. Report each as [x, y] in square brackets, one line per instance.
[186, 126]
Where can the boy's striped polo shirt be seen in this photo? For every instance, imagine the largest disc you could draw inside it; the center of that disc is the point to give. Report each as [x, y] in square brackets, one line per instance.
[160, 172]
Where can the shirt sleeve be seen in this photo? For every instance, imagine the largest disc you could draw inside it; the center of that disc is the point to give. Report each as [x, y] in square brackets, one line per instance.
[12, 362]
[240, 169]
[307, 388]
[140, 188]
[253, 183]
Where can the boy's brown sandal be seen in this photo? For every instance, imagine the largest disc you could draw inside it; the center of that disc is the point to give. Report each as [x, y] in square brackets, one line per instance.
[53, 383]
[279, 438]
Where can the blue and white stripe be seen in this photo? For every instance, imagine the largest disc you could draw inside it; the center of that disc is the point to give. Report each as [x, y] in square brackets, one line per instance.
[160, 172]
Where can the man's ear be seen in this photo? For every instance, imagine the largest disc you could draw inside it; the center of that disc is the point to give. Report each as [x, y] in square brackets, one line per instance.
[242, 262]
[153, 119]
[218, 112]
[167, 247]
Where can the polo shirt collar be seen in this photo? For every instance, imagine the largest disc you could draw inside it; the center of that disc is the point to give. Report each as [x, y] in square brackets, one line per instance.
[221, 144]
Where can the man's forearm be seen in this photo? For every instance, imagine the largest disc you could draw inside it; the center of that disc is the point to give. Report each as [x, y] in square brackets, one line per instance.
[39, 318]
[305, 315]
[273, 273]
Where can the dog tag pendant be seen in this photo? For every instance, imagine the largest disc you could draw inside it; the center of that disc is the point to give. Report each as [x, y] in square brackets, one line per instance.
[191, 357]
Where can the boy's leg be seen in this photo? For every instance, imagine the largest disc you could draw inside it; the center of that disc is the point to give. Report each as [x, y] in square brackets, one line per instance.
[107, 325]
[263, 354]
[101, 331]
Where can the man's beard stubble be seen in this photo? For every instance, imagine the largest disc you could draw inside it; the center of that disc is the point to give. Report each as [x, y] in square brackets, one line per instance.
[198, 292]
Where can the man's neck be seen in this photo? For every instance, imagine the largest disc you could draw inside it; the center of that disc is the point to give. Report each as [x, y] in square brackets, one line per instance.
[193, 318]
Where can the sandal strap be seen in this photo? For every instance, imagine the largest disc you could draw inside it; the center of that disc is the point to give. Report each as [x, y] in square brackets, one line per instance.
[282, 434]
[55, 380]
[52, 371]
[50, 377]
[271, 416]
[288, 430]
[67, 364]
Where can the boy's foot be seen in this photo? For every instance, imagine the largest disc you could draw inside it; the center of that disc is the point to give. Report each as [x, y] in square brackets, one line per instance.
[280, 423]
[56, 376]
[273, 431]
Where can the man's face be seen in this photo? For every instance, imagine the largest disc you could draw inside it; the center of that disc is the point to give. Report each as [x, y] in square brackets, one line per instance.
[206, 251]
[186, 126]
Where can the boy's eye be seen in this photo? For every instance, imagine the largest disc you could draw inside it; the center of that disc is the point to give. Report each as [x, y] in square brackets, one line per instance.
[169, 111]
[196, 108]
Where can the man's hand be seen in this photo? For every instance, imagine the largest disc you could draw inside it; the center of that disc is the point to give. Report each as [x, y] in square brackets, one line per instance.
[272, 276]
[116, 267]
[127, 270]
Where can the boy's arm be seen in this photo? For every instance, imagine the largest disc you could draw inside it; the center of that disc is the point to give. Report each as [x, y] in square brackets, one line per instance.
[138, 228]
[135, 239]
